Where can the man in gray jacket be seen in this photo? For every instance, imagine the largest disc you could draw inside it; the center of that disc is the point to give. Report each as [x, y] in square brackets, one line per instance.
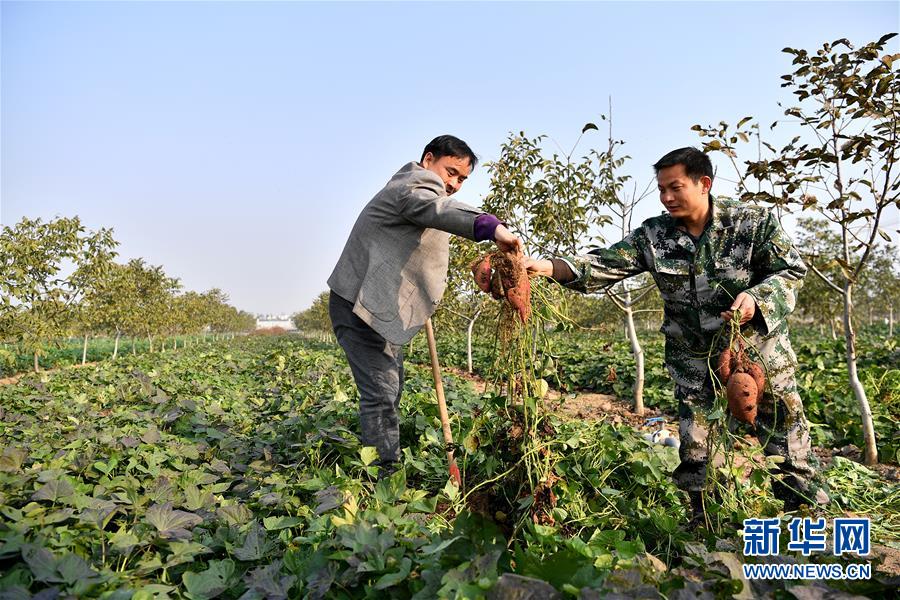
[392, 274]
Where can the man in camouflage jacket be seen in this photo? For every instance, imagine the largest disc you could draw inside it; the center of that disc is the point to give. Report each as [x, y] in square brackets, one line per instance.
[709, 258]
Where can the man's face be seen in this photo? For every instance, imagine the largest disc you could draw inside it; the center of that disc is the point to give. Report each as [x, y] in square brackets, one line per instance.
[682, 196]
[452, 170]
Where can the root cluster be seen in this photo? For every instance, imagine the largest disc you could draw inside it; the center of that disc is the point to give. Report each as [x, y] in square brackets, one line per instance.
[744, 381]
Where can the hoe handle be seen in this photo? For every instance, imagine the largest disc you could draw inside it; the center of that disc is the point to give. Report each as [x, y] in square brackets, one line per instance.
[442, 403]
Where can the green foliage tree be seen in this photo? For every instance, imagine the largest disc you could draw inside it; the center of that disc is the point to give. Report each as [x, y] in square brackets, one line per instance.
[841, 163]
[37, 300]
[148, 292]
[314, 319]
[193, 312]
[552, 203]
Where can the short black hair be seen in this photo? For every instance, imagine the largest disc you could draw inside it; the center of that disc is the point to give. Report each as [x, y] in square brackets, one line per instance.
[696, 163]
[448, 145]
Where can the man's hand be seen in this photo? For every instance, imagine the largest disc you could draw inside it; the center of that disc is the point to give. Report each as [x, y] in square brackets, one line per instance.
[745, 303]
[506, 241]
[538, 267]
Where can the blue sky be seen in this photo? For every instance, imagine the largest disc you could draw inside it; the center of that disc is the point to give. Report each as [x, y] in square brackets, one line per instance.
[235, 143]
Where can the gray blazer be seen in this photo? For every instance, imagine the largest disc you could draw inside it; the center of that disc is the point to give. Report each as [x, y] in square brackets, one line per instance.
[394, 264]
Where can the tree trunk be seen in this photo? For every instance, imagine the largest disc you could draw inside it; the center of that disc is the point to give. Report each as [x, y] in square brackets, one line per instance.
[175, 344]
[150, 339]
[116, 346]
[870, 454]
[37, 367]
[891, 321]
[833, 332]
[469, 342]
[638, 352]
[133, 349]
[84, 351]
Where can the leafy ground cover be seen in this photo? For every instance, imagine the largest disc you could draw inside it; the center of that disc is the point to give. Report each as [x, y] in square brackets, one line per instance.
[234, 471]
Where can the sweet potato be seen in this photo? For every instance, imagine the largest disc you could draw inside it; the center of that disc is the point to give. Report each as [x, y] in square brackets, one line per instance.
[723, 368]
[742, 397]
[497, 289]
[520, 298]
[756, 371]
[481, 270]
[503, 275]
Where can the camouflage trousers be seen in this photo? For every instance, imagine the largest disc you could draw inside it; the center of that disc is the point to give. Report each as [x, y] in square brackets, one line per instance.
[781, 429]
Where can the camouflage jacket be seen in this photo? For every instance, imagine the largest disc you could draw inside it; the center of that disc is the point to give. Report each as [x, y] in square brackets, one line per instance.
[742, 248]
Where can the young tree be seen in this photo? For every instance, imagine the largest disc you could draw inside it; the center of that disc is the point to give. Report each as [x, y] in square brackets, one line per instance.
[191, 308]
[552, 203]
[631, 291]
[37, 300]
[841, 163]
[149, 293]
[114, 303]
[315, 318]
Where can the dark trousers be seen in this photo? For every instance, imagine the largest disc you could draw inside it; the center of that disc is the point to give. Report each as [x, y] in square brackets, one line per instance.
[377, 367]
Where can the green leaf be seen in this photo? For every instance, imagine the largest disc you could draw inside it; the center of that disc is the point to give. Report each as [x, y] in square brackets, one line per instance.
[276, 523]
[154, 591]
[256, 546]
[438, 546]
[54, 491]
[124, 540]
[195, 499]
[151, 436]
[236, 514]
[328, 499]
[589, 126]
[186, 551]
[368, 454]
[451, 490]
[171, 524]
[73, 569]
[266, 582]
[209, 583]
[41, 562]
[390, 489]
[392, 579]
[12, 459]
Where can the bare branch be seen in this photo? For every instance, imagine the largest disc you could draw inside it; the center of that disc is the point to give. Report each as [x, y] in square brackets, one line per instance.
[827, 281]
[615, 300]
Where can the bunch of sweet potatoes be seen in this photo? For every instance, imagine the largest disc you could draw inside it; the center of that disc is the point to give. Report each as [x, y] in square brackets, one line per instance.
[744, 382]
[503, 275]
